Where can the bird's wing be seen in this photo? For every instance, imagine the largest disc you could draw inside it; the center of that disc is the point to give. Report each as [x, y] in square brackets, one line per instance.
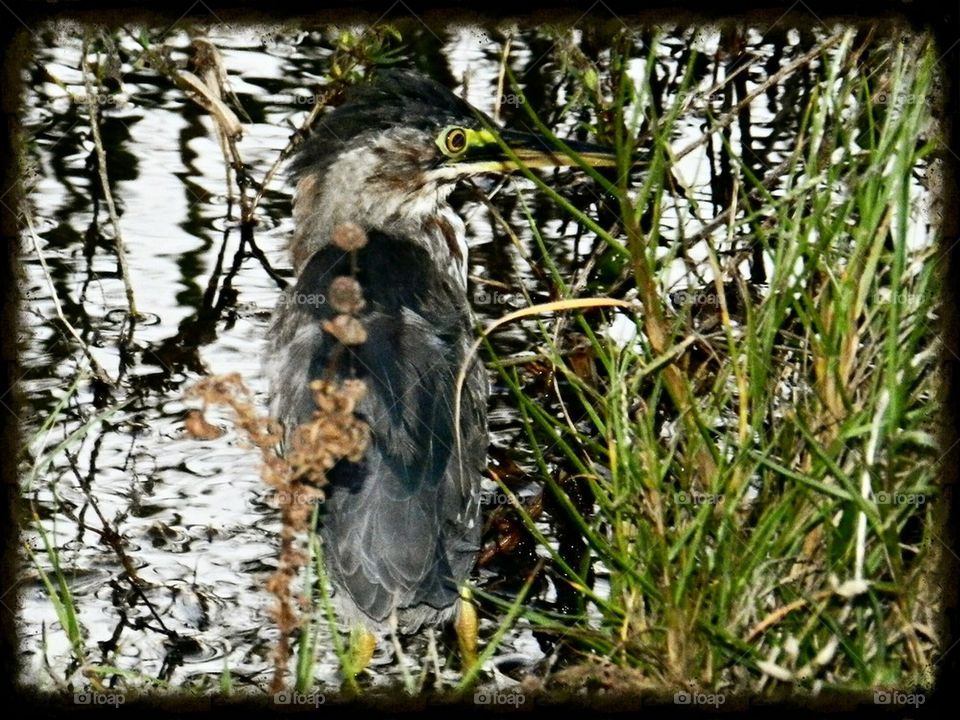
[384, 525]
[388, 519]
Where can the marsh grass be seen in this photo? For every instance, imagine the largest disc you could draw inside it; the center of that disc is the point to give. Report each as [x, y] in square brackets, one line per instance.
[48, 563]
[760, 458]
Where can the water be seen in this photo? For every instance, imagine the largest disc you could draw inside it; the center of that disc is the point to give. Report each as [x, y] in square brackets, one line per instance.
[195, 519]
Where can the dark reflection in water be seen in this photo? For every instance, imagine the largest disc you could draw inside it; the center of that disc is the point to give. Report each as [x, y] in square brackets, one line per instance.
[192, 517]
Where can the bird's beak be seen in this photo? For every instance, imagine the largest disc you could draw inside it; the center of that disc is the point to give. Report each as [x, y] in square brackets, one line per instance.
[536, 151]
[510, 150]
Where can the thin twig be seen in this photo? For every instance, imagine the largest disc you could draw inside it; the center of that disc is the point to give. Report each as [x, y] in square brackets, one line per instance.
[212, 75]
[770, 82]
[93, 111]
[774, 176]
[556, 306]
[97, 368]
[781, 612]
[318, 106]
[504, 57]
[114, 541]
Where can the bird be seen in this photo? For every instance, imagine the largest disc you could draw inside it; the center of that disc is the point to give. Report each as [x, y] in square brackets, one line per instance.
[400, 527]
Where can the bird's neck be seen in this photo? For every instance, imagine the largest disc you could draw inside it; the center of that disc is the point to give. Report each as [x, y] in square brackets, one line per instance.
[402, 207]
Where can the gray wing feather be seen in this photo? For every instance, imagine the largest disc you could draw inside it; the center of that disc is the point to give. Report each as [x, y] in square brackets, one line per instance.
[401, 529]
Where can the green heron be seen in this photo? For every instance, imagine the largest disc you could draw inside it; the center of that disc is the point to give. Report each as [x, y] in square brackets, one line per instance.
[400, 527]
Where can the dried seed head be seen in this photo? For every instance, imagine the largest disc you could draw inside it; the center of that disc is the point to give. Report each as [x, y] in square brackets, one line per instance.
[346, 329]
[200, 428]
[335, 432]
[346, 295]
[349, 236]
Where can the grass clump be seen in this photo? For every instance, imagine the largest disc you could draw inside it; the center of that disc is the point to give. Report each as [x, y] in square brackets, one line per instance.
[749, 461]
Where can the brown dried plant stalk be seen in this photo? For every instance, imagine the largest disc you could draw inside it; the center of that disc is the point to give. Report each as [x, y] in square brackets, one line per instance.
[334, 433]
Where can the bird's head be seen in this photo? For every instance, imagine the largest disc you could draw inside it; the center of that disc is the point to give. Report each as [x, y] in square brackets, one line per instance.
[388, 157]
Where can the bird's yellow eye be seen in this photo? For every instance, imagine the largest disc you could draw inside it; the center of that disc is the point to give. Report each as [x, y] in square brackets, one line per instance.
[453, 141]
